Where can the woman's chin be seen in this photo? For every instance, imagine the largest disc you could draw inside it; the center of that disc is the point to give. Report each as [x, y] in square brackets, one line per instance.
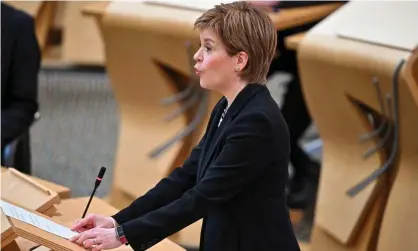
[207, 85]
[204, 84]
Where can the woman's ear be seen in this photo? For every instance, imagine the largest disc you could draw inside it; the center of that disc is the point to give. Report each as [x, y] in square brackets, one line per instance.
[241, 61]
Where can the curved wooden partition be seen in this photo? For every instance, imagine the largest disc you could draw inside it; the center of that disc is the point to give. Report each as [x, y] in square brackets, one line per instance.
[400, 224]
[355, 87]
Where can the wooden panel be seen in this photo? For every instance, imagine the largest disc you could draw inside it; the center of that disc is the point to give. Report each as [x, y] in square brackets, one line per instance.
[7, 233]
[24, 191]
[372, 26]
[82, 42]
[412, 74]
[400, 224]
[346, 68]
[293, 17]
[342, 162]
[62, 191]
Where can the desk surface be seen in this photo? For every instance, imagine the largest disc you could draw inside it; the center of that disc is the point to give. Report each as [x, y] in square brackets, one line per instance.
[359, 20]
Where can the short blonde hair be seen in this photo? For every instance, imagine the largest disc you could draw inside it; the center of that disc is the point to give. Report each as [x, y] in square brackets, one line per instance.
[242, 27]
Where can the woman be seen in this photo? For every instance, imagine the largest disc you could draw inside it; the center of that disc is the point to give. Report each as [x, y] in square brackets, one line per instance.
[235, 177]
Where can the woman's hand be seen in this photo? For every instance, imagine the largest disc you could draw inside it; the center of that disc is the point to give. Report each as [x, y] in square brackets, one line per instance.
[97, 239]
[92, 221]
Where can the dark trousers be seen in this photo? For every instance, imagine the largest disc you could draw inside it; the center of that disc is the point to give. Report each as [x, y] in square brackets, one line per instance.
[294, 108]
[18, 155]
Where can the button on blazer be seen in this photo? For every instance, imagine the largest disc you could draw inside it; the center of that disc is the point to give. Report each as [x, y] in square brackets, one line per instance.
[234, 180]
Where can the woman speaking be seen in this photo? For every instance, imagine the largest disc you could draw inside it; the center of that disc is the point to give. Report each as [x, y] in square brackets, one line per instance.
[235, 177]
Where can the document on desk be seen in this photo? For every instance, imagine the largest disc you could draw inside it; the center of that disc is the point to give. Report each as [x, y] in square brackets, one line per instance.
[36, 220]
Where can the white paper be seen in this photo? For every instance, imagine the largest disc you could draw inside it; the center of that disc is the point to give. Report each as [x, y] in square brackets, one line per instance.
[36, 220]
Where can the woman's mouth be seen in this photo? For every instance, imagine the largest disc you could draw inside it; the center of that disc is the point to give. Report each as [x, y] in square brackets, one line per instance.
[197, 73]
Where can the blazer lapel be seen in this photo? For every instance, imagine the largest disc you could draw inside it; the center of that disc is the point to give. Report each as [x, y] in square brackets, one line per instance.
[215, 132]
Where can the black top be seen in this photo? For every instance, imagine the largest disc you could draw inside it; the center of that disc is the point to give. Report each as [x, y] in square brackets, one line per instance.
[234, 179]
[20, 63]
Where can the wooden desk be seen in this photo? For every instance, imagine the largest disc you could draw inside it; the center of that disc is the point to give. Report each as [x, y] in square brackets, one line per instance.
[62, 191]
[380, 215]
[288, 18]
[80, 31]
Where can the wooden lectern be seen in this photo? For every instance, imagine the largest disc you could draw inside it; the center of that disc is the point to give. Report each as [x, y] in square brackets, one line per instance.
[22, 190]
[359, 96]
[71, 209]
[13, 228]
[62, 191]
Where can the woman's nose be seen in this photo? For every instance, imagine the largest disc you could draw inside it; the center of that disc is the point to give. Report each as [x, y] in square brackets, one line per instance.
[197, 56]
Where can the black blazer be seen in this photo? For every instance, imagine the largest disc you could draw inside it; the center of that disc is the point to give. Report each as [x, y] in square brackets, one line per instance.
[20, 63]
[234, 179]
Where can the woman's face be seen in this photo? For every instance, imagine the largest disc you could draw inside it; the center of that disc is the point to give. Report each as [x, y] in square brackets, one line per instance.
[213, 64]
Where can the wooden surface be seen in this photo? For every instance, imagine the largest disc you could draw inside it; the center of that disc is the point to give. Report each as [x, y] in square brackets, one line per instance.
[13, 246]
[82, 43]
[62, 191]
[345, 68]
[400, 224]
[292, 42]
[412, 74]
[37, 235]
[7, 234]
[24, 191]
[304, 246]
[371, 26]
[288, 18]
[365, 239]
[342, 162]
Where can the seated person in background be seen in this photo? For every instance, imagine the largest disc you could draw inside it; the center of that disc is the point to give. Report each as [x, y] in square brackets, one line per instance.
[20, 63]
[303, 186]
[235, 178]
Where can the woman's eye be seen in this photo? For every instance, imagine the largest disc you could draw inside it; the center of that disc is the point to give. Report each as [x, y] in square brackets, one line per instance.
[207, 48]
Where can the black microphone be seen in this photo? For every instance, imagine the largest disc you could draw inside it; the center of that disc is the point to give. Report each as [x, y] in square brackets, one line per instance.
[96, 185]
